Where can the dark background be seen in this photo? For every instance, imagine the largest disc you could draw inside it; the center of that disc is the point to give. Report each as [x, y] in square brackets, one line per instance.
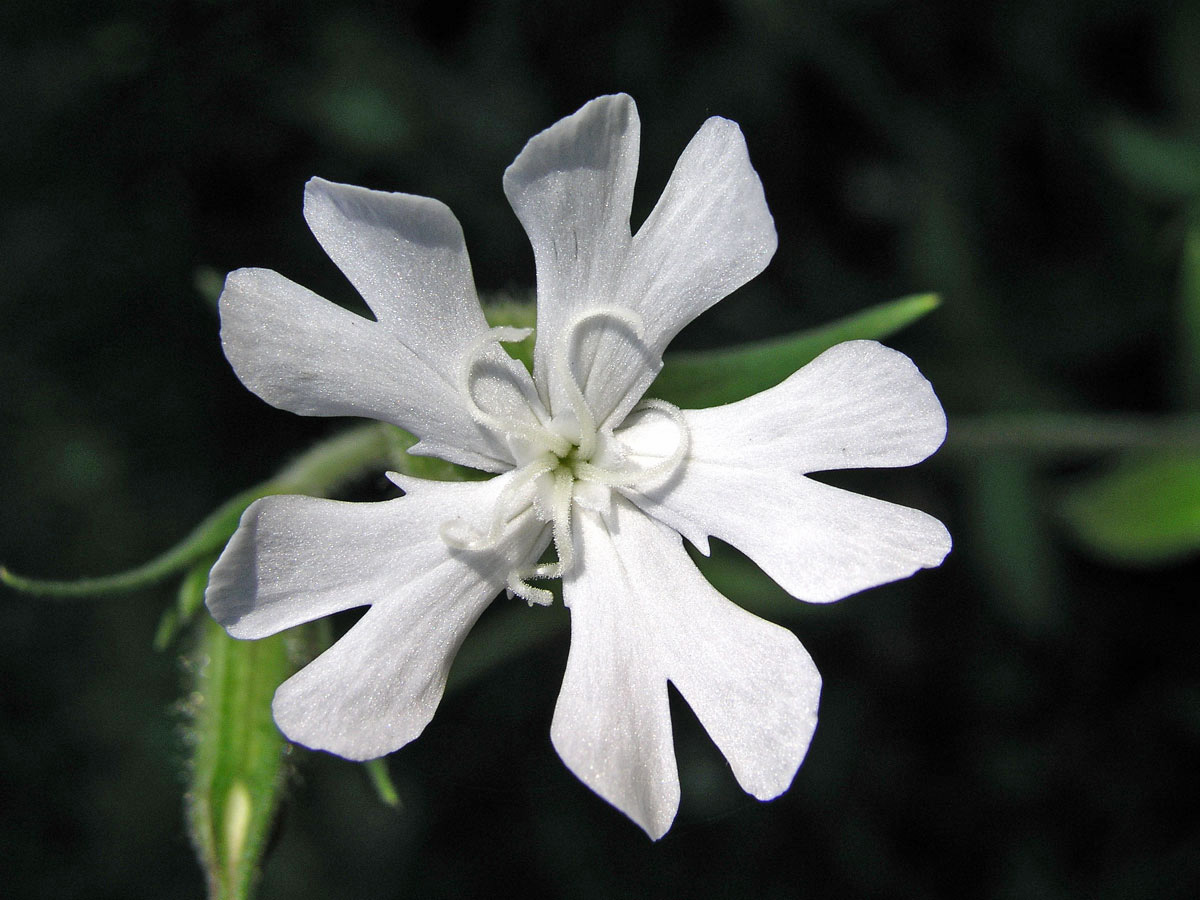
[1023, 722]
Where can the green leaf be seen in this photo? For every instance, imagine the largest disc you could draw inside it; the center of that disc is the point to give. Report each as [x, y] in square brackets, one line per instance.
[1145, 511]
[712, 377]
[1165, 167]
[236, 765]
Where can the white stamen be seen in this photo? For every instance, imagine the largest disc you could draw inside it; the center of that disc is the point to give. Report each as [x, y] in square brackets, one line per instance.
[560, 517]
[557, 455]
[562, 363]
[634, 477]
[542, 438]
[519, 587]
[458, 534]
[528, 474]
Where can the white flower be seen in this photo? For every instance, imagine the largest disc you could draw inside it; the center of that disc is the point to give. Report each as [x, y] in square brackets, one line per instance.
[612, 482]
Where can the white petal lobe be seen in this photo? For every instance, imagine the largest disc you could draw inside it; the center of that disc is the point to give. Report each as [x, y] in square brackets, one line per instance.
[641, 614]
[612, 724]
[857, 405]
[751, 683]
[406, 257]
[708, 235]
[294, 559]
[378, 686]
[572, 188]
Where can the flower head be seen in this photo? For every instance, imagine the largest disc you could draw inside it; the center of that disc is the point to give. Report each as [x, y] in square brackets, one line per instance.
[583, 463]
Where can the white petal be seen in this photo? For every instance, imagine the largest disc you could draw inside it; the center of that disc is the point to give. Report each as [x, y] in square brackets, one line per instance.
[304, 354]
[612, 724]
[295, 559]
[407, 258]
[641, 614]
[752, 684]
[572, 188]
[857, 405]
[709, 234]
[819, 543]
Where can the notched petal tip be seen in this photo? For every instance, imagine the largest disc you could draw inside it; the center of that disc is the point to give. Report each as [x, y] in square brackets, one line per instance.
[894, 381]
[723, 146]
[232, 586]
[657, 829]
[589, 138]
[241, 281]
[300, 718]
[331, 207]
[649, 802]
[923, 542]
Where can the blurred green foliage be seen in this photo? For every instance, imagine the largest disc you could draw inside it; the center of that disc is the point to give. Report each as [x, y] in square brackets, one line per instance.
[1023, 722]
[702, 378]
[1146, 510]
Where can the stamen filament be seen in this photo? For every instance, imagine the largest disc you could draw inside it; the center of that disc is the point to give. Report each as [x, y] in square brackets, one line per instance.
[542, 438]
[632, 478]
[560, 518]
[519, 587]
[579, 405]
[458, 534]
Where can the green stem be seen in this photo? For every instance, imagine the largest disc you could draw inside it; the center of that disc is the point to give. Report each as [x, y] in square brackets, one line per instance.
[319, 471]
[381, 780]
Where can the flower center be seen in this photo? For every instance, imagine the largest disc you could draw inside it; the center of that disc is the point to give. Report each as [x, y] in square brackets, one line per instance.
[561, 462]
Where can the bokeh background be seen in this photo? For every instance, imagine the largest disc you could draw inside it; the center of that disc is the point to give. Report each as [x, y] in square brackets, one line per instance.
[1023, 722]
